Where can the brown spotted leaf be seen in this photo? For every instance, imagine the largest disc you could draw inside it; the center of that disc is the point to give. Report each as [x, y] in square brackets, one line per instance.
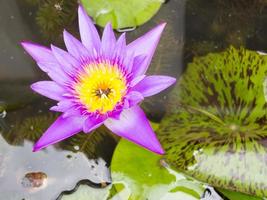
[216, 127]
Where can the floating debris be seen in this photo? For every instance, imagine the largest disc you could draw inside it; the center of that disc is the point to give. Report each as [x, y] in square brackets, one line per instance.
[34, 179]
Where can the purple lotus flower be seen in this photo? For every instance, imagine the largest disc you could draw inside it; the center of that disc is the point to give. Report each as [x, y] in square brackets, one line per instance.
[99, 82]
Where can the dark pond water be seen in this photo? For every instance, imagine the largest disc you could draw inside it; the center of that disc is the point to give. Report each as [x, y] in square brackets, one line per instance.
[195, 28]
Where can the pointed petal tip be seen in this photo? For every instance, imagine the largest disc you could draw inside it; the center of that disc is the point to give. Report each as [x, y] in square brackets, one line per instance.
[135, 127]
[48, 89]
[88, 32]
[37, 147]
[155, 148]
[33, 86]
[146, 45]
[53, 46]
[109, 24]
[36, 51]
[25, 43]
[61, 129]
[172, 80]
[65, 32]
[81, 8]
[154, 84]
[163, 24]
[53, 108]
[160, 151]
[28, 45]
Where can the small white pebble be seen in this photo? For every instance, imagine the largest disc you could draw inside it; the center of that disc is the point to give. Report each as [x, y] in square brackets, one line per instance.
[76, 147]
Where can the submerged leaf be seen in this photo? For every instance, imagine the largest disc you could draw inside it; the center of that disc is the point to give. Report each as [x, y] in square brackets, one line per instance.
[122, 13]
[53, 16]
[216, 127]
[99, 143]
[31, 122]
[31, 128]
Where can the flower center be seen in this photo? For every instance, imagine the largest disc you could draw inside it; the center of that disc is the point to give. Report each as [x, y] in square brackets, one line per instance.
[101, 86]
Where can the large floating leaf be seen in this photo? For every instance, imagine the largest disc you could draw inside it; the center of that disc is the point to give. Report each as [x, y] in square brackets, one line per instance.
[216, 128]
[121, 13]
[141, 174]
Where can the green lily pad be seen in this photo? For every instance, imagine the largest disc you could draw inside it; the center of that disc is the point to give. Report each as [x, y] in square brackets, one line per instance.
[140, 174]
[121, 13]
[216, 127]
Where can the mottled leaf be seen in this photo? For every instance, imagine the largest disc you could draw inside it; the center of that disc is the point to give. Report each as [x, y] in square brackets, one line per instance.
[215, 129]
[237, 195]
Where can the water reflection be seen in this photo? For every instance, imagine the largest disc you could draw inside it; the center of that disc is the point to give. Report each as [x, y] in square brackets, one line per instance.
[63, 170]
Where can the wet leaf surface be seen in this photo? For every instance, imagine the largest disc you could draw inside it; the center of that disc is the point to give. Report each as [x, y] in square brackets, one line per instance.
[122, 13]
[215, 129]
[141, 174]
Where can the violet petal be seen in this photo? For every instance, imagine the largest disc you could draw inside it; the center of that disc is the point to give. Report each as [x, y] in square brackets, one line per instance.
[151, 85]
[68, 62]
[136, 80]
[74, 46]
[138, 61]
[120, 47]
[46, 61]
[62, 106]
[88, 32]
[55, 72]
[61, 129]
[134, 98]
[146, 45]
[38, 52]
[108, 41]
[49, 89]
[134, 126]
[92, 123]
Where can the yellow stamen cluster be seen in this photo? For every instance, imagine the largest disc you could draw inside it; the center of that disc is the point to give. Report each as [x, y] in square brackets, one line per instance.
[101, 86]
